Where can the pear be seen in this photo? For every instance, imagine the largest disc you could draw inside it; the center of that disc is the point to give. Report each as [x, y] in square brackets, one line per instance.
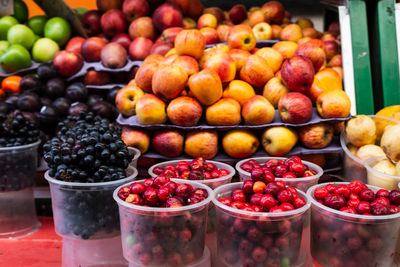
[390, 142]
[361, 130]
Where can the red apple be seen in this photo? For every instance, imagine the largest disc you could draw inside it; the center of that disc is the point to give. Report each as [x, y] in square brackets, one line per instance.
[241, 36]
[274, 11]
[168, 143]
[93, 77]
[184, 111]
[104, 5]
[91, 48]
[134, 9]
[190, 43]
[142, 27]
[331, 49]
[113, 22]
[103, 36]
[195, 9]
[167, 16]
[223, 64]
[144, 76]
[169, 81]
[135, 138]
[140, 48]
[183, 5]
[187, 63]
[238, 13]
[295, 108]
[122, 39]
[74, 44]
[223, 32]
[210, 35]
[169, 35]
[313, 52]
[91, 22]
[113, 56]
[216, 11]
[297, 74]
[161, 48]
[334, 28]
[316, 135]
[67, 63]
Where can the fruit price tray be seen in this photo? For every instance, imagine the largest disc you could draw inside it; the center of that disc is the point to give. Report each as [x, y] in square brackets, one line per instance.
[34, 65]
[98, 66]
[333, 147]
[315, 118]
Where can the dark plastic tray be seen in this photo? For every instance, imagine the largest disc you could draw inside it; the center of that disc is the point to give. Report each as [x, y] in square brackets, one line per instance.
[260, 43]
[34, 65]
[315, 118]
[105, 86]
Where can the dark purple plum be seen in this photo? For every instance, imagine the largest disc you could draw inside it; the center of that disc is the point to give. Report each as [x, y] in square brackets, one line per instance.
[5, 108]
[93, 99]
[103, 109]
[77, 108]
[28, 102]
[111, 95]
[62, 105]
[48, 115]
[55, 88]
[12, 100]
[45, 101]
[77, 92]
[46, 72]
[30, 83]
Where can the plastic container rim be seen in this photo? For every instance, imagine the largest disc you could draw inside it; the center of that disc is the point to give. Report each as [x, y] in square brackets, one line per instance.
[51, 180]
[313, 166]
[156, 209]
[301, 210]
[310, 195]
[370, 169]
[344, 144]
[228, 167]
[22, 147]
[137, 153]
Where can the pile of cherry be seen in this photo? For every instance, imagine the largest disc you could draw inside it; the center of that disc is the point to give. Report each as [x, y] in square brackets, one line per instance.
[338, 239]
[291, 167]
[197, 169]
[176, 238]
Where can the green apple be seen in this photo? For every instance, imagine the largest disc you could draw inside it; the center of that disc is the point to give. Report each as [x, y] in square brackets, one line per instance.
[16, 57]
[36, 24]
[6, 23]
[21, 34]
[3, 46]
[44, 50]
[20, 11]
[58, 30]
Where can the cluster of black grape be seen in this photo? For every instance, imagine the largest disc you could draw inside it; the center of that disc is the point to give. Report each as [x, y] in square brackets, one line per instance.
[16, 130]
[87, 149]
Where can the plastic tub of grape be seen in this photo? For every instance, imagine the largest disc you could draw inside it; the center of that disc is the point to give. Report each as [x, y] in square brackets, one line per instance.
[17, 175]
[244, 167]
[341, 238]
[172, 234]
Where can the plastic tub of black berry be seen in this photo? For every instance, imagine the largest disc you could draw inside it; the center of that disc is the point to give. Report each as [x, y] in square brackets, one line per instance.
[172, 233]
[136, 155]
[258, 238]
[302, 182]
[17, 206]
[340, 238]
[86, 210]
[203, 175]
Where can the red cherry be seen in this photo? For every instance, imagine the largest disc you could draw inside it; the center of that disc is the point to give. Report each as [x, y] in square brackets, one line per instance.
[272, 163]
[248, 209]
[182, 168]
[289, 175]
[148, 183]
[284, 196]
[320, 193]
[170, 173]
[382, 193]
[259, 187]
[182, 162]
[353, 203]
[215, 174]
[269, 177]
[343, 190]
[207, 176]
[356, 186]
[163, 194]
[349, 210]
[184, 190]
[281, 184]
[185, 175]
[331, 188]
[247, 167]
[335, 201]
[197, 164]
[382, 200]
[298, 202]
[133, 199]
[272, 189]
[158, 170]
[225, 200]
[354, 196]
[171, 186]
[173, 202]
[209, 167]
[266, 169]
[255, 199]
[367, 195]
[363, 207]
[124, 192]
[295, 158]
[223, 172]
[237, 205]
[286, 206]
[160, 181]
[267, 202]
[394, 209]
[248, 187]
[239, 196]
[380, 209]
[150, 195]
[276, 209]
[257, 174]
[297, 168]
[280, 170]
[256, 208]
[293, 190]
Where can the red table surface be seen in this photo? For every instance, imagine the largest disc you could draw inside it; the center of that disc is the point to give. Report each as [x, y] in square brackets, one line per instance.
[40, 249]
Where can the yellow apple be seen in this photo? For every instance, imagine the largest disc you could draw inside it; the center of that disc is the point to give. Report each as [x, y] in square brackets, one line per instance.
[279, 140]
[240, 143]
[361, 130]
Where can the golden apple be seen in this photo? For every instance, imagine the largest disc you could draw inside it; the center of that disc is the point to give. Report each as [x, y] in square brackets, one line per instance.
[135, 138]
[262, 31]
[126, 99]
[258, 110]
[286, 48]
[206, 86]
[223, 64]
[316, 135]
[279, 140]
[239, 90]
[202, 144]
[224, 112]
[272, 56]
[274, 89]
[190, 43]
[333, 104]
[150, 110]
[169, 81]
[256, 71]
[184, 111]
[291, 32]
[240, 143]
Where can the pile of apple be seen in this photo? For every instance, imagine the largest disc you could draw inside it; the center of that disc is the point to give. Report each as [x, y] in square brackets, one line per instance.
[229, 83]
[41, 37]
[371, 137]
[197, 169]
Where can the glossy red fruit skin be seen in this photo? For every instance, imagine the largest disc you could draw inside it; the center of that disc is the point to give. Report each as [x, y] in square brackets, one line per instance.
[223, 172]
[280, 170]
[226, 201]
[210, 167]
[137, 188]
[293, 190]
[215, 174]
[184, 191]
[286, 206]
[331, 188]
[281, 184]
[284, 196]
[207, 176]
[239, 196]
[150, 196]
[255, 199]
[197, 164]
[297, 168]
[269, 177]
[257, 174]
[335, 201]
[248, 187]
[171, 186]
[246, 166]
[123, 193]
[148, 183]
[272, 189]
[133, 199]
[356, 186]
[363, 207]
[320, 193]
[380, 209]
[354, 196]
[163, 194]
[289, 175]
[158, 170]
[267, 202]
[394, 197]
[343, 190]
[160, 181]
[272, 163]
[353, 203]
[299, 202]
[382, 193]
[367, 195]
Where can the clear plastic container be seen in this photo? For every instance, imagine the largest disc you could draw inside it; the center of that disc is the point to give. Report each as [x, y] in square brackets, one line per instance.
[344, 239]
[136, 153]
[86, 210]
[204, 261]
[261, 238]
[154, 236]
[213, 183]
[380, 179]
[302, 183]
[93, 253]
[353, 167]
[17, 174]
